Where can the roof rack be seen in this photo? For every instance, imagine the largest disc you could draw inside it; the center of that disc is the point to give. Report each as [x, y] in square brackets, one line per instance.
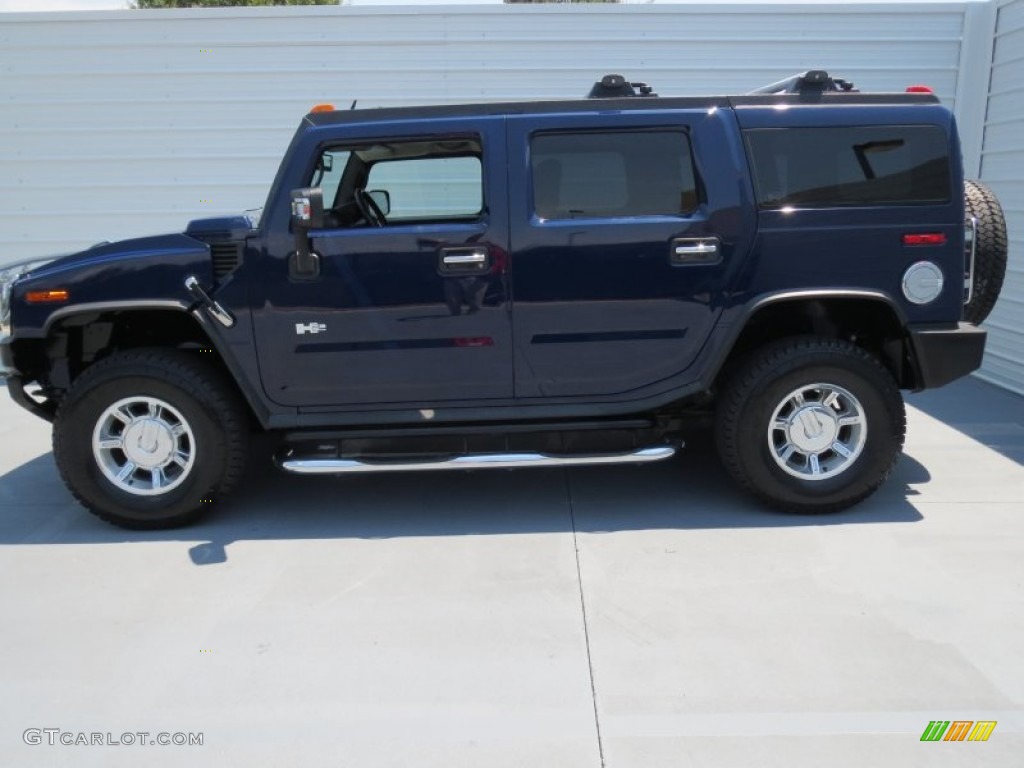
[811, 81]
[616, 86]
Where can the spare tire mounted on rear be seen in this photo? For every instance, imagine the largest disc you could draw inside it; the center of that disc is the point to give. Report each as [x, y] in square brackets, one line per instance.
[990, 246]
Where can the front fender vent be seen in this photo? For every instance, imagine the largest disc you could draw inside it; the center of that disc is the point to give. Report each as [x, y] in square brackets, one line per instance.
[226, 258]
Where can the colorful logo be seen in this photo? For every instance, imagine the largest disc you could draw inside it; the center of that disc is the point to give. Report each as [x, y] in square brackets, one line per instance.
[958, 730]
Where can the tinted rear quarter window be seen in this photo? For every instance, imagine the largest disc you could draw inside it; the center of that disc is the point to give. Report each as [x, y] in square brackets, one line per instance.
[849, 166]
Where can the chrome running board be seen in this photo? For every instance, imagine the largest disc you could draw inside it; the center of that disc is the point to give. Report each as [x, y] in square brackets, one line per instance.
[483, 461]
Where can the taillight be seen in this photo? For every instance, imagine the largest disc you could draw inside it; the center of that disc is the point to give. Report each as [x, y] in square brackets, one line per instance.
[925, 238]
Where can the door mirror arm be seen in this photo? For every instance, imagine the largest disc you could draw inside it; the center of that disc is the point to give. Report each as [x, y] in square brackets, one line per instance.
[307, 206]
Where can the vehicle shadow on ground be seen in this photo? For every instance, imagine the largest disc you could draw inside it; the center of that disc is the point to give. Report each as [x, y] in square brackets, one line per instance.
[983, 412]
[690, 491]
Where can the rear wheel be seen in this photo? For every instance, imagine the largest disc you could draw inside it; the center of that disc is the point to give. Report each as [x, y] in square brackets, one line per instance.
[810, 424]
[149, 438]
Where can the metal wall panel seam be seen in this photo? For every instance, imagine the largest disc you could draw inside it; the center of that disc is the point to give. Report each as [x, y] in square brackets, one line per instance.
[1003, 168]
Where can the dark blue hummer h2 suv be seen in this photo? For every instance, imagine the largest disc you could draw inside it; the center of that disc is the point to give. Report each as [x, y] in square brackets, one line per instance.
[536, 283]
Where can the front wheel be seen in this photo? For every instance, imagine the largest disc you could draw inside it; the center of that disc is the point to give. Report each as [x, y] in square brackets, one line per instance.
[148, 438]
[810, 424]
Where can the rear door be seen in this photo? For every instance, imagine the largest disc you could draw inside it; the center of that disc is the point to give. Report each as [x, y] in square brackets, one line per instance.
[622, 244]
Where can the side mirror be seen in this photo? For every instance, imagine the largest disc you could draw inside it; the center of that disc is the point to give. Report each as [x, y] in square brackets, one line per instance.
[382, 198]
[307, 208]
[307, 214]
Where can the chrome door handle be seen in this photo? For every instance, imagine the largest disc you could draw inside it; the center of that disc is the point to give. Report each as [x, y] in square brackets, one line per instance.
[465, 259]
[695, 250]
[700, 249]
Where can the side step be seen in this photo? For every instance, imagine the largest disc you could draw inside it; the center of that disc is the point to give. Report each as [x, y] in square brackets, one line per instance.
[483, 461]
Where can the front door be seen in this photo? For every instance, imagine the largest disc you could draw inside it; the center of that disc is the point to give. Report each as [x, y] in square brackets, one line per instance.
[411, 302]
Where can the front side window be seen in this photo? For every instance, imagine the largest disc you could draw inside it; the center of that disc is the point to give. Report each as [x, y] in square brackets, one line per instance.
[612, 174]
[406, 182]
[849, 166]
[430, 187]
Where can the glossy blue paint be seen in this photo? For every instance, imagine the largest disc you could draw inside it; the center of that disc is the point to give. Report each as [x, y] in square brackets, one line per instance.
[579, 317]
[131, 272]
[857, 248]
[221, 227]
[625, 316]
[394, 329]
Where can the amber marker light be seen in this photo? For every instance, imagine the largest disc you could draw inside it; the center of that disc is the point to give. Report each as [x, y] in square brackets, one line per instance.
[46, 297]
[321, 108]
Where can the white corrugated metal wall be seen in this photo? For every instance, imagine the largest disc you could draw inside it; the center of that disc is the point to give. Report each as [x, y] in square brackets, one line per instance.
[122, 123]
[1002, 168]
[125, 123]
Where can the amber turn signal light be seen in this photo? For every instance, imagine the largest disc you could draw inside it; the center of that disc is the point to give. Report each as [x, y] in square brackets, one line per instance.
[44, 297]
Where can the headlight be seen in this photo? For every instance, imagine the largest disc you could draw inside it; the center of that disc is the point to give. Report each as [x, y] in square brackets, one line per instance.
[8, 276]
[5, 309]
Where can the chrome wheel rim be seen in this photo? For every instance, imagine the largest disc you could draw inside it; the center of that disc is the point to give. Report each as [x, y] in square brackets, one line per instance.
[143, 446]
[817, 432]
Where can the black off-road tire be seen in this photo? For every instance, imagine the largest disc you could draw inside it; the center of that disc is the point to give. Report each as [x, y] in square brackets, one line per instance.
[990, 250]
[205, 401]
[762, 383]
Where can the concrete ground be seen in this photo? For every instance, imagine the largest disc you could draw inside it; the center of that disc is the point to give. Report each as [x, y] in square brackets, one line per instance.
[632, 617]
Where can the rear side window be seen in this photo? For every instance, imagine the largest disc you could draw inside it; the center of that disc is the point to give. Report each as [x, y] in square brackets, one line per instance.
[610, 174]
[849, 166]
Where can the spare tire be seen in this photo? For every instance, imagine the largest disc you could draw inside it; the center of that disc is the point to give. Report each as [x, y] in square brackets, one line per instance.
[990, 247]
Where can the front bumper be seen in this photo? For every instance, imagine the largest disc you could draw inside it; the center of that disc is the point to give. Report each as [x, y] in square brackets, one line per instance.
[7, 368]
[16, 384]
[944, 353]
[16, 389]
